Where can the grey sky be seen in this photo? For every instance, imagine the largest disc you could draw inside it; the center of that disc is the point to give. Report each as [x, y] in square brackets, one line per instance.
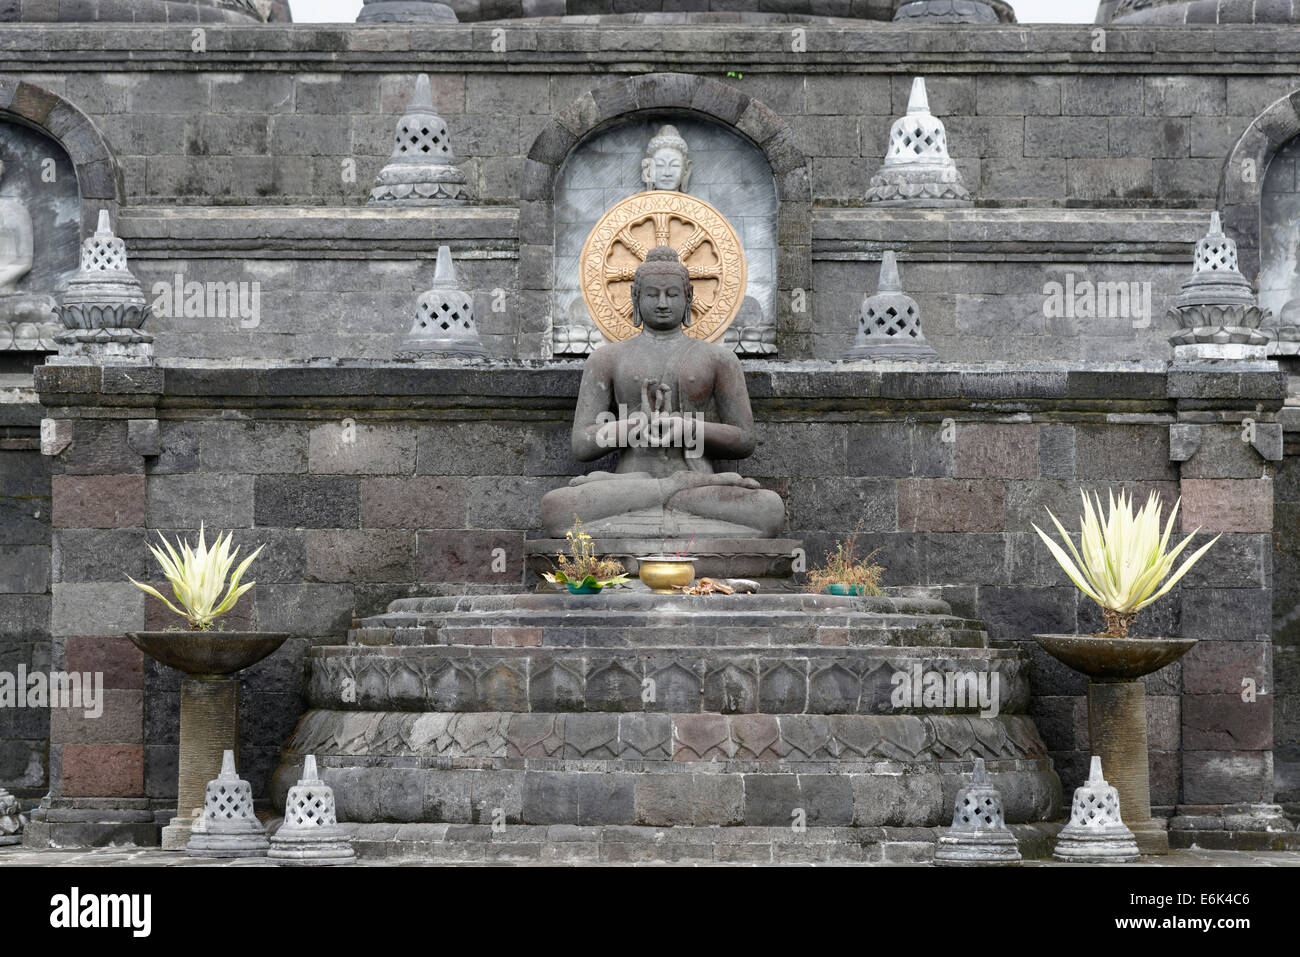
[1028, 11]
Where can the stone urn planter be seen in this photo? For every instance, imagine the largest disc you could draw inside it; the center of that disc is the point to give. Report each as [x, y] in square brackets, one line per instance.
[1117, 716]
[209, 707]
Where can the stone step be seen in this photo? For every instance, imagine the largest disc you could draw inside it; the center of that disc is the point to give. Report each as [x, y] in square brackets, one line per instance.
[615, 844]
[797, 680]
[643, 620]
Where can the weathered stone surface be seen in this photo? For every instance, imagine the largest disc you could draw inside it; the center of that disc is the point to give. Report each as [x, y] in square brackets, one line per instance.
[352, 449]
[98, 501]
[222, 501]
[252, 448]
[997, 451]
[102, 770]
[306, 501]
[470, 556]
[1222, 668]
[1227, 505]
[1224, 722]
[1227, 777]
[950, 505]
[120, 661]
[96, 608]
[356, 555]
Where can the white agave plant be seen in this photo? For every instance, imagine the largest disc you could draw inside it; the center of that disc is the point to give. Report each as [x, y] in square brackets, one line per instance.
[1123, 563]
[198, 577]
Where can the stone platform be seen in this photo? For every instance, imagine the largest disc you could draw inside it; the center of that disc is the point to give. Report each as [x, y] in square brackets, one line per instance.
[630, 709]
[769, 560]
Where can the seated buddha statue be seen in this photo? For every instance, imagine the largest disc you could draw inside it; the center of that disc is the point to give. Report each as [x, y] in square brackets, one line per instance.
[669, 405]
[16, 255]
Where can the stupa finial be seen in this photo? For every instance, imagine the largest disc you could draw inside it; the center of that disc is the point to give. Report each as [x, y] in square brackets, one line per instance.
[919, 102]
[889, 278]
[422, 98]
[444, 273]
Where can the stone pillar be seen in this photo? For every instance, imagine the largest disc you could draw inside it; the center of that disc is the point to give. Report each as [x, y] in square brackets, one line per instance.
[209, 728]
[1117, 729]
[97, 792]
[1227, 443]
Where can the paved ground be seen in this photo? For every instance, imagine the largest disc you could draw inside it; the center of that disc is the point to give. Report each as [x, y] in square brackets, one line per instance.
[153, 857]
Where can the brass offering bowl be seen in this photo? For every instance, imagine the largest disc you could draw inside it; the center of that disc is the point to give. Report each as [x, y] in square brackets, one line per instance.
[664, 574]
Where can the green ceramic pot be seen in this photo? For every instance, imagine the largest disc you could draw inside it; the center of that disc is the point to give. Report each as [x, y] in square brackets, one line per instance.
[854, 590]
[583, 589]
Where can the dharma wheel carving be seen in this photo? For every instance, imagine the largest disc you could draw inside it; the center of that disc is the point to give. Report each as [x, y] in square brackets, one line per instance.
[704, 241]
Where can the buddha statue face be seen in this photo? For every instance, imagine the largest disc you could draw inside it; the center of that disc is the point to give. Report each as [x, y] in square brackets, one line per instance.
[667, 164]
[662, 292]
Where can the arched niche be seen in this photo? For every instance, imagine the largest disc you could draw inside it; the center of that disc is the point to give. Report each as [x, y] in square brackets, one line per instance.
[622, 99]
[40, 234]
[1279, 235]
[726, 170]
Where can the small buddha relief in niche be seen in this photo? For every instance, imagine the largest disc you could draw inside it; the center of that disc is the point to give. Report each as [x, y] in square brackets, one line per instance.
[667, 163]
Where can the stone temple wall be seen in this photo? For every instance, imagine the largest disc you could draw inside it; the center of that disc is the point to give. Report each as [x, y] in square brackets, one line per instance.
[1098, 167]
[373, 483]
[24, 588]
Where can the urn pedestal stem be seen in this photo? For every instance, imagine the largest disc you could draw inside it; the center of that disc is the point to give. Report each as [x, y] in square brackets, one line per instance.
[209, 727]
[1117, 733]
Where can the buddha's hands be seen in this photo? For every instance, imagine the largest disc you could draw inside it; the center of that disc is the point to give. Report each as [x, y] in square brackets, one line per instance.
[672, 432]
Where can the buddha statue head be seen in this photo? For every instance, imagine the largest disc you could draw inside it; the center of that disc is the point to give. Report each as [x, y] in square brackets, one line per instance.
[661, 291]
[667, 163]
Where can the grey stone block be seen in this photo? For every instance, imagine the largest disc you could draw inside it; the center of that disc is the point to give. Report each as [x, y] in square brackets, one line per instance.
[143, 436]
[664, 800]
[220, 501]
[309, 610]
[307, 501]
[85, 608]
[252, 447]
[89, 555]
[357, 555]
[351, 449]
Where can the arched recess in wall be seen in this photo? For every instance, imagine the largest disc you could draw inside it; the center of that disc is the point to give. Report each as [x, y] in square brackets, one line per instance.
[48, 148]
[1241, 184]
[99, 178]
[618, 100]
